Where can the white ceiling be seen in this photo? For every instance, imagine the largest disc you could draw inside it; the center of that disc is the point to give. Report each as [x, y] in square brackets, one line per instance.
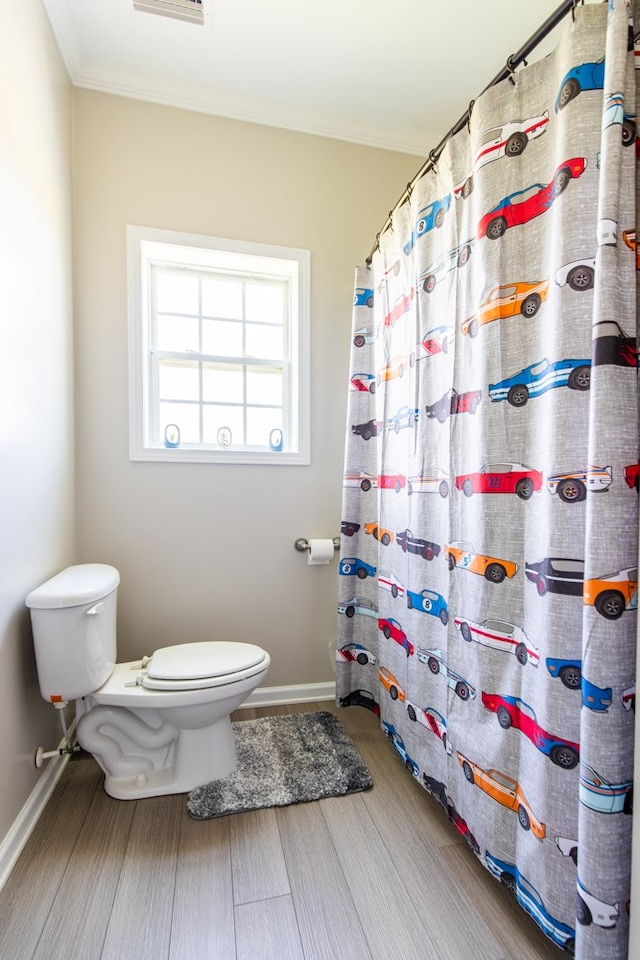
[388, 73]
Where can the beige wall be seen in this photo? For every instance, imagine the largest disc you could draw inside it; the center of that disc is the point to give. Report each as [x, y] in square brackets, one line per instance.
[206, 551]
[37, 521]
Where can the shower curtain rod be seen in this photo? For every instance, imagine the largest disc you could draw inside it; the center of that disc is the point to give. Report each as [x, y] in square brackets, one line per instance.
[508, 70]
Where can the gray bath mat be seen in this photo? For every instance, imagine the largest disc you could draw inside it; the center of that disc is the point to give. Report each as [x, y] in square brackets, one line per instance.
[281, 760]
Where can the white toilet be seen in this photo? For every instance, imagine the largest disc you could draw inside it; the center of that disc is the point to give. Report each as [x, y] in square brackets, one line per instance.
[157, 726]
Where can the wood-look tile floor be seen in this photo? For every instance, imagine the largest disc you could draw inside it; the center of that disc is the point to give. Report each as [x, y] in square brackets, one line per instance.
[377, 875]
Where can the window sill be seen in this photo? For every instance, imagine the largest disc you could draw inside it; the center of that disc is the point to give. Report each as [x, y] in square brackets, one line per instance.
[184, 455]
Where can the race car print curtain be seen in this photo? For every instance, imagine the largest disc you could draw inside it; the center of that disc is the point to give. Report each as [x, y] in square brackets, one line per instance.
[488, 568]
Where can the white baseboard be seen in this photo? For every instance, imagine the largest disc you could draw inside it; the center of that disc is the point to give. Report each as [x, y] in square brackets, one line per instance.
[303, 693]
[14, 842]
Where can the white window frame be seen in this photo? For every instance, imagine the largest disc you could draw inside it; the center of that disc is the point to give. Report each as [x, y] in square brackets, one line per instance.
[146, 245]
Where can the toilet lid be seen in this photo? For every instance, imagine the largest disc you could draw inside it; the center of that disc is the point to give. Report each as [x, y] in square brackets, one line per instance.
[187, 666]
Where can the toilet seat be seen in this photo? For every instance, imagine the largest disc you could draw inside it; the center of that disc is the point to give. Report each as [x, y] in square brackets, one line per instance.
[194, 666]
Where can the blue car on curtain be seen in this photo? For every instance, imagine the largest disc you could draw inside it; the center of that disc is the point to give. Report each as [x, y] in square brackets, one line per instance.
[429, 217]
[584, 76]
[544, 375]
[529, 898]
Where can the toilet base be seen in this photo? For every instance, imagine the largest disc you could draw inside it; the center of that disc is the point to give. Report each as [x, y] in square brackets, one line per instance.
[198, 757]
[151, 743]
[158, 783]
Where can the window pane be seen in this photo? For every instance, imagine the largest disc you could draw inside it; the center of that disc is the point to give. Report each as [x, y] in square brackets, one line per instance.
[177, 334]
[265, 386]
[178, 381]
[185, 415]
[176, 292]
[222, 384]
[222, 298]
[264, 342]
[265, 303]
[219, 416]
[260, 423]
[222, 338]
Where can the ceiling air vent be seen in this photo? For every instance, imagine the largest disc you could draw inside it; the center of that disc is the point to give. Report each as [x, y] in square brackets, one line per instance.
[189, 10]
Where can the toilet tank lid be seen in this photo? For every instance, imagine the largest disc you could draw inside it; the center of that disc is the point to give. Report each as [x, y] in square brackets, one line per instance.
[75, 586]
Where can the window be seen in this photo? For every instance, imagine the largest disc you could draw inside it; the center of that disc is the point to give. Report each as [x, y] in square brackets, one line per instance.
[218, 349]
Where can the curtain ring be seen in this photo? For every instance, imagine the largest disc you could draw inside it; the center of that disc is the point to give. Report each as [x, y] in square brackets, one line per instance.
[409, 190]
[511, 69]
[573, 8]
[433, 160]
[390, 219]
[469, 112]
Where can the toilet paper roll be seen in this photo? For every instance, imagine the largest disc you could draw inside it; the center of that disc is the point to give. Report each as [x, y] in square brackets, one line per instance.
[320, 551]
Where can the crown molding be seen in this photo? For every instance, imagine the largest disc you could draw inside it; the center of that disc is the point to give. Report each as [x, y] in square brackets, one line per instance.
[265, 113]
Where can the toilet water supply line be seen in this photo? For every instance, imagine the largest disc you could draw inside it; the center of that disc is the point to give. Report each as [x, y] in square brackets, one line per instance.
[68, 748]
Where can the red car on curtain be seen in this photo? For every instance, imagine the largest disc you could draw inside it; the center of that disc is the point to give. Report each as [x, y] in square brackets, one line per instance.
[501, 478]
[514, 712]
[524, 205]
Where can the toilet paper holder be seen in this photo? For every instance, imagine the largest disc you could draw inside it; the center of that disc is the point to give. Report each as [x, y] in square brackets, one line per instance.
[301, 544]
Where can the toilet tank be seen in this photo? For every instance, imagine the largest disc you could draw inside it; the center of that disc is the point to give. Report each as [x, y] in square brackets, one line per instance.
[73, 617]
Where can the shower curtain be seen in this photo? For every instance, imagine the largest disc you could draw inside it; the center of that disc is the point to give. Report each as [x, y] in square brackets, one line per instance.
[488, 566]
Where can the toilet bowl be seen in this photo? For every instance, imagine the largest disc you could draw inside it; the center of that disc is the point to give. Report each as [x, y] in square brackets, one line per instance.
[158, 725]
